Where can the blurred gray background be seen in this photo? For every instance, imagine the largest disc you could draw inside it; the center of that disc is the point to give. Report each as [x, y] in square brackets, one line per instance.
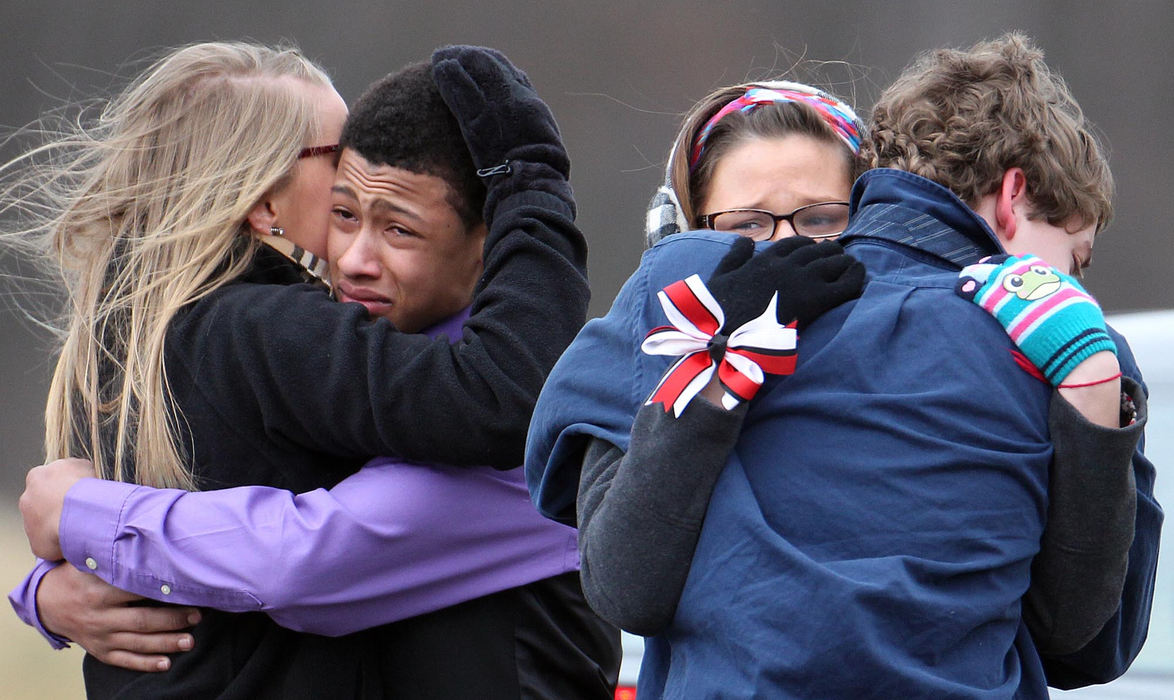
[618, 75]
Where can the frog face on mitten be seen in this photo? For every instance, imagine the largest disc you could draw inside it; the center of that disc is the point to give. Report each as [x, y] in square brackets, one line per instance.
[1035, 283]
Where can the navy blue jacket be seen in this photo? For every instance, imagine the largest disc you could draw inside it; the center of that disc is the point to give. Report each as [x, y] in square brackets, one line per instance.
[872, 532]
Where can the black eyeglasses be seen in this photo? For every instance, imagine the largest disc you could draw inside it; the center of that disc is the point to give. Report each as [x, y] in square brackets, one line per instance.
[821, 220]
[312, 151]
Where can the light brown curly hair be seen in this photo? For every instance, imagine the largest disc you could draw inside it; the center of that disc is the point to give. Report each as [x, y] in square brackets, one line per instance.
[963, 118]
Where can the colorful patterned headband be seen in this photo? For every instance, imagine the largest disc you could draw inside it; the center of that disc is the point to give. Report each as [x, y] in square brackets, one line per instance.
[837, 114]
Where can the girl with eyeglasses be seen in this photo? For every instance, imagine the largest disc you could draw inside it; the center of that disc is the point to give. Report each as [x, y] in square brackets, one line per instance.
[763, 160]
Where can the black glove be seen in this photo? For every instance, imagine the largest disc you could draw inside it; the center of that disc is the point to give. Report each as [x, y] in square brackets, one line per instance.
[508, 129]
[809, 277]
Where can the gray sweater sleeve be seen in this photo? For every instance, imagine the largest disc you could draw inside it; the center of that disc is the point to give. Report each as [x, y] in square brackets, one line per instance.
[640, 513]
[1078, 575]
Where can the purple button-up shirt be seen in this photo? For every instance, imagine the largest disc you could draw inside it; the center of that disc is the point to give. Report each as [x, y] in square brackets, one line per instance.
[392, 541]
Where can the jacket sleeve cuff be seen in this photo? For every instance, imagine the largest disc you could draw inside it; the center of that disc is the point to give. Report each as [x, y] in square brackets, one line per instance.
[24, 601]
[1067, 423]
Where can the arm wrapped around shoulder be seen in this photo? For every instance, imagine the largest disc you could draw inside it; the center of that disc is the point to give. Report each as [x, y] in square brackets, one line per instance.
[1048, 315]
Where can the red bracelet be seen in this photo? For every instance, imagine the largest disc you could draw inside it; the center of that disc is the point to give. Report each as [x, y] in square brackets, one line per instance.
[1099, 381]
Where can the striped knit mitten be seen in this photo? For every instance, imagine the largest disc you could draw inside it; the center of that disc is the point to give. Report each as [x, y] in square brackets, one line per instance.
[1055, 323]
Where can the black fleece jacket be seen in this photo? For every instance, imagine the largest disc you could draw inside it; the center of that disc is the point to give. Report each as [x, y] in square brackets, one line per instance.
[278, 385]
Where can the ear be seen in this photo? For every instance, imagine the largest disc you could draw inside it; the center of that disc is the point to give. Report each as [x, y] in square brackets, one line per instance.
[1010, 200]
[262, 217]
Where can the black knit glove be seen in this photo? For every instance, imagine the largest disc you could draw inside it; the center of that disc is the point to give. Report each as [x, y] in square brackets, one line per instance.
[510, 132]
[809, 277]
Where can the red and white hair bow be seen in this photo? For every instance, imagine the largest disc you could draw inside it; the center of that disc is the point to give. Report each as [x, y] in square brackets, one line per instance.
[759, 346]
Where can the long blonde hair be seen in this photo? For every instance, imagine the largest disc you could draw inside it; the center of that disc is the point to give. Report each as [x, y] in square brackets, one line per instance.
[142, 211]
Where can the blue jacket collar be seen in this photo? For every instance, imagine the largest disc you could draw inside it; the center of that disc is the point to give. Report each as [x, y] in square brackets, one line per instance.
[941, 223]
